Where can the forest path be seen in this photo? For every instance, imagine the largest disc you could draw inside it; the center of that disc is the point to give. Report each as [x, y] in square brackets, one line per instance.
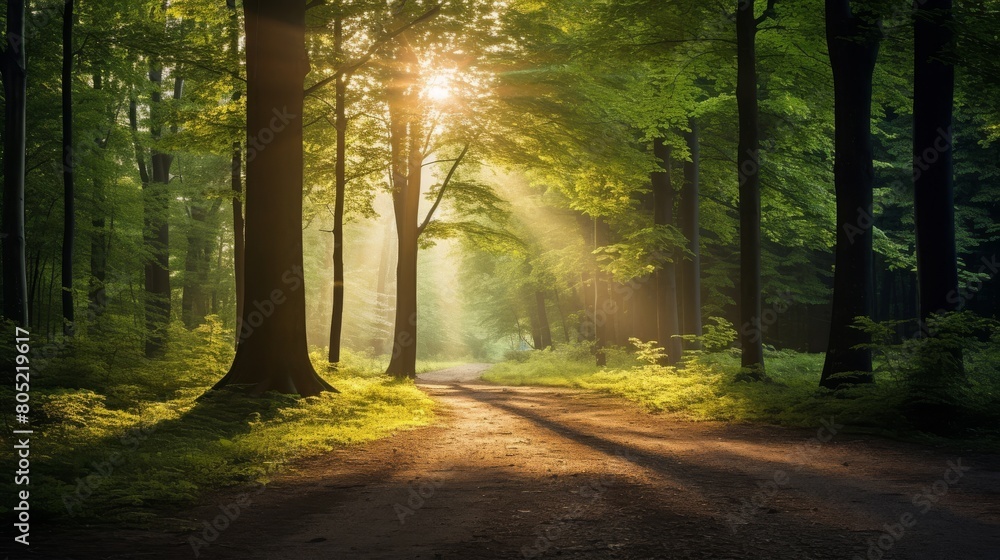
[538, 472]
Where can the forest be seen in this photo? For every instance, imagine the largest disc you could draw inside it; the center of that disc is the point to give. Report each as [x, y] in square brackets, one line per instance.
[500, 278]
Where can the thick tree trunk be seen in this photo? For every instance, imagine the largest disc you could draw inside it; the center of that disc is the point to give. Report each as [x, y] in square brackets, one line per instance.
[666, 276]
[934, 204]
[748, 163]
[406, 132]
[273, 353]
[15, 282]
[690, 267]
[69, 170]
[934, 201]
[337, 319]
[853, 44]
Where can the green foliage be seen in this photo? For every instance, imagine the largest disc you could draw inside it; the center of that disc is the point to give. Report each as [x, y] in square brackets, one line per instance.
[709, 388]
[718, 335]
[648, 352]
[149, 436]
[947, 372]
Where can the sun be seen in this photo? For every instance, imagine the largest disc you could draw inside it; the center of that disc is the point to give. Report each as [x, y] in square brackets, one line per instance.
[437, 88]
[437, 92]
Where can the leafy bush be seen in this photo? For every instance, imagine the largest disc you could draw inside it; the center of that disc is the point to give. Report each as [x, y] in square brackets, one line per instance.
[948, 371]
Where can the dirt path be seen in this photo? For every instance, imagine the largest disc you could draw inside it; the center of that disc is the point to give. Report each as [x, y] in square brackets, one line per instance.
[534, 472]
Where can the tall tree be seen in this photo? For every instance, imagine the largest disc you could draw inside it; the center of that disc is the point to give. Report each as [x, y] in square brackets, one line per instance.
[273, 355]
[933, 175]
[853, 38]
[690, 223]
[406, 137]
[156, 214]
[666, 277]
[69, 169]
[97, 292]
[340, 171]
[748, 164]
[15, 282]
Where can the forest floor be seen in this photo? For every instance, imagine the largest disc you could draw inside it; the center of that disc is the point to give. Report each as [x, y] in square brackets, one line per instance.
[531, 472]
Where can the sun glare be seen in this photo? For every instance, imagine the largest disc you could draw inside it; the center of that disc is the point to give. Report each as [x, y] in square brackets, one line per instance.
[438, 88]
[438, 92]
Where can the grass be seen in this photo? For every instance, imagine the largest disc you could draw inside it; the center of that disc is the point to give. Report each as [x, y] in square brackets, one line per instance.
[125, 445]
[706, 388]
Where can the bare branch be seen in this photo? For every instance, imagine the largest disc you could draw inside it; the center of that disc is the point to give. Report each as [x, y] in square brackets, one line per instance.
[444, 186]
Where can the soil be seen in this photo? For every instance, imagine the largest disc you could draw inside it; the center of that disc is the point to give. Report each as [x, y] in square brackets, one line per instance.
[555, 473]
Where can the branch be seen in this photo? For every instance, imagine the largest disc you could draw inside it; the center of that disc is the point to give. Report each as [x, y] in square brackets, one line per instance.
[768, 12]
[140, 156]
[437, 161]
[444, 186]
[314, 4]
[354, 66]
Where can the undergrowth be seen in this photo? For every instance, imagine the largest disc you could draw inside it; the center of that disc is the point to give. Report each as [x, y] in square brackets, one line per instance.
[707, 386]
[118, 438]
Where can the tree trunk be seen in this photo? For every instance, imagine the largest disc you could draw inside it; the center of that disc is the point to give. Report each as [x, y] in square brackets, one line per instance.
[587, 327]
[666, 276]
[196, 298]
[236, 180]
[545, 333]
[337, 319]
[690, 267]
[273, 354]
[562, 316]
[601, 317]
[157, 225]
[15, 282]
[96, 293]
[406, 133]
[69, 170]
[934, 201]
[239, 246]
[748, 163]
[536, 331]
[382, 295]
[853, 43]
